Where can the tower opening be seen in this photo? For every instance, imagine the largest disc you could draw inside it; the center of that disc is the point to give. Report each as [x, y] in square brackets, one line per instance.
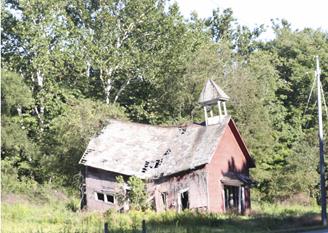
[212, 97]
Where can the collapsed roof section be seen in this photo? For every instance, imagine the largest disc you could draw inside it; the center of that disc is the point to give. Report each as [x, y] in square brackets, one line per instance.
[150, 152]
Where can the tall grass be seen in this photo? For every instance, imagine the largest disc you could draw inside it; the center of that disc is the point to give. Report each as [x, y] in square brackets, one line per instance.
[28, 217]
[28, 207]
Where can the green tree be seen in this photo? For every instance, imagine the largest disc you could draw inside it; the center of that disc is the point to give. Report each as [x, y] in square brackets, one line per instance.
[17, 124]
[68, 136]
[135, 194]
[297, 141]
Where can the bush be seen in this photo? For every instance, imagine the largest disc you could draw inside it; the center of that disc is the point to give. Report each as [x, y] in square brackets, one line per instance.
[136, 195]
[73, 205]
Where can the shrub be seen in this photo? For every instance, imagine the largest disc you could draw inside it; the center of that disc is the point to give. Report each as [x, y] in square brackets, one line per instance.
[135, 193]
[73, 205]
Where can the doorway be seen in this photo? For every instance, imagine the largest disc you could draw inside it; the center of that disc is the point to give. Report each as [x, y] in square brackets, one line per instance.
[184, 198]
[233, 198]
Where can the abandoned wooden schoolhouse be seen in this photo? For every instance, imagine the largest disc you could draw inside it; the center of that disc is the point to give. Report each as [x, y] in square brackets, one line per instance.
[202, 167]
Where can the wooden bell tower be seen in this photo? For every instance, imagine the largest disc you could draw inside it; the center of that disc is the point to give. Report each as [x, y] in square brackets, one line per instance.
[212, 96]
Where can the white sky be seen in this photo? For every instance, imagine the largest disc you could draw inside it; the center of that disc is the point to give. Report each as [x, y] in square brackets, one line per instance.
[300, 13]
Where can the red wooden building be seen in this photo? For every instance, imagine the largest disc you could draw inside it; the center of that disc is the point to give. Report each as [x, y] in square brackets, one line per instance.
[198, 166]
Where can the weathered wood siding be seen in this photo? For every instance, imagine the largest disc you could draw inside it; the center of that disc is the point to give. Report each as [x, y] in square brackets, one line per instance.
[229, 157]
[97, 180]
[195, 181]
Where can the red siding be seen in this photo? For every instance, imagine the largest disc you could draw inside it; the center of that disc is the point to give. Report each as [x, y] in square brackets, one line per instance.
[229, 156]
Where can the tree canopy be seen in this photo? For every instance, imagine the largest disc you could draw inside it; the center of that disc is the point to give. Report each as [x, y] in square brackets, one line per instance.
[68, 66]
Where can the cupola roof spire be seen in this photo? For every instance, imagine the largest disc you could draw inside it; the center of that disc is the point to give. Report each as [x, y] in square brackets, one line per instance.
[211, 94]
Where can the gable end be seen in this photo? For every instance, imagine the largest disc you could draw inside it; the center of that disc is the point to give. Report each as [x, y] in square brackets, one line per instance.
[241, 143]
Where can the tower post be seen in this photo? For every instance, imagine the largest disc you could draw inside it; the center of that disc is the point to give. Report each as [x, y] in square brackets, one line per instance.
[205, 113]
[219, 106]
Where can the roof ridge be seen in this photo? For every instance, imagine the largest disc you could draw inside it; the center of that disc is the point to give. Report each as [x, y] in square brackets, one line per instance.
[156, 126]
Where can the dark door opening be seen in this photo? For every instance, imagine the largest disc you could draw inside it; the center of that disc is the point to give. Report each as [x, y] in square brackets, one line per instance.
[164, 199]
[184, 200]
[231, 198]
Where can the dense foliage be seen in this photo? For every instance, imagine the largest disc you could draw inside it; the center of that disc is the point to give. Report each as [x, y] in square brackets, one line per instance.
[132, 191]
[68, 66]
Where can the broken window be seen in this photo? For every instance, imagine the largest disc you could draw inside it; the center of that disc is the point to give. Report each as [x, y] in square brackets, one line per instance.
[128, 193]
[153, 204]
[232, 197]
[164, 199]
[184, 200]
[108, 198]
[100, 197]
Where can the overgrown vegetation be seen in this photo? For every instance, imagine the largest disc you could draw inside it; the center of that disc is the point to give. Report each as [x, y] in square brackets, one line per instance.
[46, 210]
[25, 218]
[68, 66]
[135, 195]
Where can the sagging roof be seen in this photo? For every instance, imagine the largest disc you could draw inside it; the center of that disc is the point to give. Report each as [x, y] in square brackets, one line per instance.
[211, 93]
[148, 151]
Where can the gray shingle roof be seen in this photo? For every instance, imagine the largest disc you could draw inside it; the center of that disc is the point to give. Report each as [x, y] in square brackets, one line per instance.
[211, 93]
[148, 151]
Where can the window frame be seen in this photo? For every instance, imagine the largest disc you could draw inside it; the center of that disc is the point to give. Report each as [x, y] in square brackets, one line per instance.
[164, 197]
[105, 197]
[181, 191]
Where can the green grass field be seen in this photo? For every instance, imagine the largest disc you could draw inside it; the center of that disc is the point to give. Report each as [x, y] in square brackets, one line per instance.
[21, 214]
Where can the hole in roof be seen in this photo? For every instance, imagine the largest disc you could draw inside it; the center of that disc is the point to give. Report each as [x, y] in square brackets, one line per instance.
[151, 165]
[182, 130]
[158, 163]
[167, 152]
[144, 169]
